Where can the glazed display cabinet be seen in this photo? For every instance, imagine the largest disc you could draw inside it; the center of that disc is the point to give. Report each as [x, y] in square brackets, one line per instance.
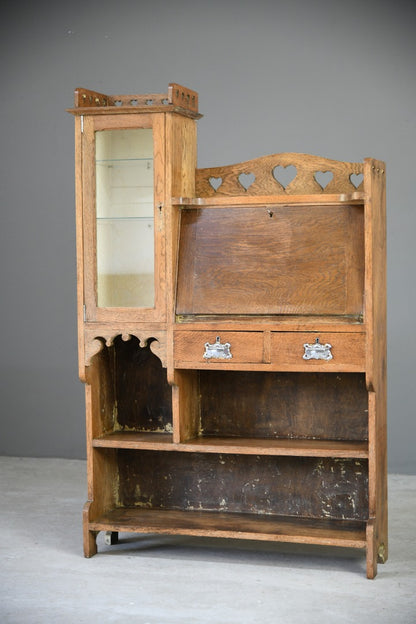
[231, 335]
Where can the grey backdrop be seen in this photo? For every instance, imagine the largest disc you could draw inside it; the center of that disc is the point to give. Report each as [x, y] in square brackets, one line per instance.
[324, 77]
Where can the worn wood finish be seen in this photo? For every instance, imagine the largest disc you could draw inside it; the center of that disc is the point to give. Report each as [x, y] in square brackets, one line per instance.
[190, 346]
[283, 405]
[131, 387]
[375, 311]
[178, 99]
[267, 350]
[257, 260]
[304, 487]
[287, 350]
[267, 255]
[294, 447]
[238, 526]
[298, 174]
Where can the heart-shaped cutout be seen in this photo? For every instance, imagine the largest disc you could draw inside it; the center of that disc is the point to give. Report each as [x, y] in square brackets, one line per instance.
[246, 179]
[356, 179]
[215, 183]
[323, 178]
[284, 175]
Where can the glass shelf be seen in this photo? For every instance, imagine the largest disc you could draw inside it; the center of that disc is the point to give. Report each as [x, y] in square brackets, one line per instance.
[115, 219]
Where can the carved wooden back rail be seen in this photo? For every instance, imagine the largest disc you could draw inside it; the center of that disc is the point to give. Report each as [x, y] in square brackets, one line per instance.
[287, 173]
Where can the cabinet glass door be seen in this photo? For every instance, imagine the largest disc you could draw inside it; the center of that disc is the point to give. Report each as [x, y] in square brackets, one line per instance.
[125, 218]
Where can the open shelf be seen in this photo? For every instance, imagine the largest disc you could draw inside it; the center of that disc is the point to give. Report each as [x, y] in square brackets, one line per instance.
[292, 447]
[246, 446]
[234, 525]
[357, 197]
[135, 440]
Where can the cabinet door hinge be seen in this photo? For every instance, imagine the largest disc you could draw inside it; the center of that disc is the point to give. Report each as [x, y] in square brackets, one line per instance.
[82, 123]
[84, 311]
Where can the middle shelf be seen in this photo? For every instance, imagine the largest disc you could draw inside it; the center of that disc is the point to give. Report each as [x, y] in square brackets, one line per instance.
[247, 446]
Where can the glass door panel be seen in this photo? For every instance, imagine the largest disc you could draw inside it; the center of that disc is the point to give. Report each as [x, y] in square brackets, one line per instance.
[125, 218]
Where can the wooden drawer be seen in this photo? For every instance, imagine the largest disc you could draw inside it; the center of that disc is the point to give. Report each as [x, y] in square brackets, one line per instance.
[228, 347]
[345, 353]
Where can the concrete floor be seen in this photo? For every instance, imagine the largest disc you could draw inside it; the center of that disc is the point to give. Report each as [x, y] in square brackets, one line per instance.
[177, 580]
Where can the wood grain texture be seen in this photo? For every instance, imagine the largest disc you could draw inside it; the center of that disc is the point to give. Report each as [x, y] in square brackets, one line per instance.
[178, 99]
[190, 346]
[294, 447]
[287, 260]
[267, 254]
[313, 175]
[324, 406]
[348, 350]
[375, 314]
[240, 526]
[299, 486]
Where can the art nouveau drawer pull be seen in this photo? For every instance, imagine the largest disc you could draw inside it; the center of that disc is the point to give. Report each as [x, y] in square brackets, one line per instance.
[317, 351]
[217, 350]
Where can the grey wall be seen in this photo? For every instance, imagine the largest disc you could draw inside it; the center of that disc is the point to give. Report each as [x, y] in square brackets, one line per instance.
[324, 77]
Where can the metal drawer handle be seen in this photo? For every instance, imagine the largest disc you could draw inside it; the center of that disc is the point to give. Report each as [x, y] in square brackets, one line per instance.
[317, 351]
[218, 350]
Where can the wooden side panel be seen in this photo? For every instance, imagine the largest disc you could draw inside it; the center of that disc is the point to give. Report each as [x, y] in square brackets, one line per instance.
[186, 401]
[375, 315]
[306, 487]
[180, 180]
[281, 260]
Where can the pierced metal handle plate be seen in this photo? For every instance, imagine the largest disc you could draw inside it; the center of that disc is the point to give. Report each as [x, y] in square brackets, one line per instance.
[218, 350]
[317, 351]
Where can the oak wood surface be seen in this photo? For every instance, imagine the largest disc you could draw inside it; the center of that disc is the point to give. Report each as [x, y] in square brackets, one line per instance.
[282, 485]
[235, 445]
[267, 254]
[243, 526]
[286, 260]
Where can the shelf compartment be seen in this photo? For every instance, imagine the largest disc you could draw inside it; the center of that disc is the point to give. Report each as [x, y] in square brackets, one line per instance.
[310, 487]
[274, 405]
[243, 446]
[342, 533]
[130, 389]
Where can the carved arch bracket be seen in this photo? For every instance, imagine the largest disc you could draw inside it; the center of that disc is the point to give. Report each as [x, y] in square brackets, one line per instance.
[95, 343]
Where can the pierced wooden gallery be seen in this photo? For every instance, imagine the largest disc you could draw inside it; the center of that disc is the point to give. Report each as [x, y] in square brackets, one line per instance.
[232, 334]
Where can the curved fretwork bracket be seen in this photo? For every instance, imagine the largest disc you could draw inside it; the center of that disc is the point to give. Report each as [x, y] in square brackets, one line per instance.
[94, 344]
[287, 173]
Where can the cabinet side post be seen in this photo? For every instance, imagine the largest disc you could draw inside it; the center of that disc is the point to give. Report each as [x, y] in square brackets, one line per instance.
[79, 246]
[376, 351]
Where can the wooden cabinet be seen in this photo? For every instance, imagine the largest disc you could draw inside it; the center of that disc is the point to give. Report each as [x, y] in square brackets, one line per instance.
[231, 334]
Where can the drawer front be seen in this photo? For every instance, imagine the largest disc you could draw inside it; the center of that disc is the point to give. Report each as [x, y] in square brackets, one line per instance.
[202, 347]
[324, 351]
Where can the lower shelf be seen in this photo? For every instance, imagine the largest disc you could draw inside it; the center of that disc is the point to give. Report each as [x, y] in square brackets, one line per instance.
[346, 533]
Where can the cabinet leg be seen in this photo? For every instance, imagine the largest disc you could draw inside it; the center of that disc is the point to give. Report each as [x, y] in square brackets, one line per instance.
[372, 551]
[90, 537]
[111, 538]
[90, 543]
